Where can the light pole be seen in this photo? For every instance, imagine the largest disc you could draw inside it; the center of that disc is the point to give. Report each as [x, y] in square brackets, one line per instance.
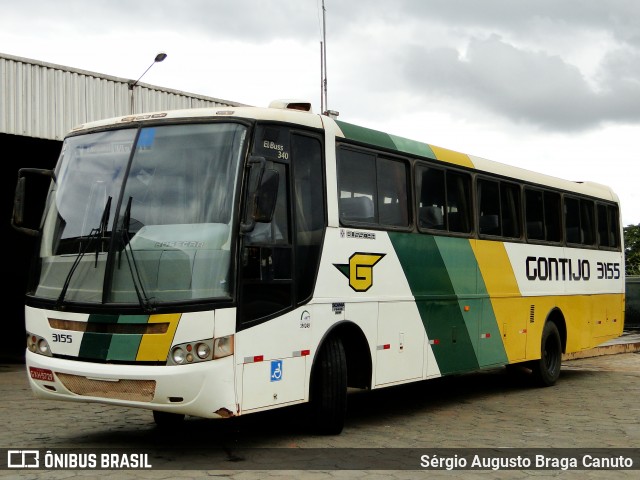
[159, 58]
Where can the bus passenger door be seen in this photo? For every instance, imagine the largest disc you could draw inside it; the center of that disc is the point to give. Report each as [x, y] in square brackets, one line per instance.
[266, 260]
[278, 267]
[271, 374]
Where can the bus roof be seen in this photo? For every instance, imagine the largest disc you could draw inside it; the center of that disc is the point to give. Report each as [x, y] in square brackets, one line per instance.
[404, 145]
[365, 136]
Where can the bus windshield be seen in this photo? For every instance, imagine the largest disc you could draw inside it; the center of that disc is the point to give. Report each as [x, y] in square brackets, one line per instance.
[142, 216]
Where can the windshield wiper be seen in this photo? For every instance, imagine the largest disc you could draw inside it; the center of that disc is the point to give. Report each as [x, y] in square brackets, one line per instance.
[93, 235]
[143, 299]
[104, 223]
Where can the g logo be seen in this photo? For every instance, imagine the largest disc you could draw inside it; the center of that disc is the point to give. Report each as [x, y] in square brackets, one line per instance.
[359, 270]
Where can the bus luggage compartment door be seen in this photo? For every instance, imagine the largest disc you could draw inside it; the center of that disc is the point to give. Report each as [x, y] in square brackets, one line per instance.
[273, 382]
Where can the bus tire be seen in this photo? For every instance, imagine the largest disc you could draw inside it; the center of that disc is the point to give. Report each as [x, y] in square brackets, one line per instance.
[329, 388]
[546, 371]
[167, 419]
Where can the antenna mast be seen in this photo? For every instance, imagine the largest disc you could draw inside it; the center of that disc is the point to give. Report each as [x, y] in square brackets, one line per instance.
[323, 63]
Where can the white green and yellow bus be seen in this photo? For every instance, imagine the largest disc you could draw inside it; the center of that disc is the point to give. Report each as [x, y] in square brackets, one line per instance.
[219, 262]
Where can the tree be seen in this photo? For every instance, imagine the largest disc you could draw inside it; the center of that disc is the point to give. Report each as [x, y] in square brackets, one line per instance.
[632, 249]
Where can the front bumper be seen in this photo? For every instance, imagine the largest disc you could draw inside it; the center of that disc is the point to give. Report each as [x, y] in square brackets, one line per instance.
[205, 389]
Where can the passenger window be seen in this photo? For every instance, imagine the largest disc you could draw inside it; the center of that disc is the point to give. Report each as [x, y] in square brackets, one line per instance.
[579, 221]
[444, 199]
[372, 189]
[510, 209]
[489, 207]
[392, 193]
[614, 227]
[552, 217]
[357, 184]
[604, 239]
[534, 211]
[587, 222]
[431, 198]
[608, 226]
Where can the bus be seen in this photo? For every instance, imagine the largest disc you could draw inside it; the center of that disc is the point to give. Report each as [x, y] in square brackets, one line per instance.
[220, 262]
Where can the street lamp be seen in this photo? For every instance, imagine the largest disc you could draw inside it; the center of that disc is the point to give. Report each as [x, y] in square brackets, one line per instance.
[159, 58]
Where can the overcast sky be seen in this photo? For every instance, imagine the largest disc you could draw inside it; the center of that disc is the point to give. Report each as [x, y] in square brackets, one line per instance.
[549, 85]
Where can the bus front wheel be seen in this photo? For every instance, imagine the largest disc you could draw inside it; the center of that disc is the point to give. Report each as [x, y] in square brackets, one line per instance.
[546, 371]
[329, 388]
[167, 419]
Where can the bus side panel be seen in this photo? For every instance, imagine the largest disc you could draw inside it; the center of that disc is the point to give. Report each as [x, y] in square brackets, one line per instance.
[361, 272]
[273, 359]
[400, 348]
[585, 285]
[442, 274]
[504, 303]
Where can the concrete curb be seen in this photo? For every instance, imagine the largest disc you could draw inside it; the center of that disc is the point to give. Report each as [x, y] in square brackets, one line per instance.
[627, 343]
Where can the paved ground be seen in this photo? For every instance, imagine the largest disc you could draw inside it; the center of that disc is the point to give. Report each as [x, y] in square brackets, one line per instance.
[594, 405]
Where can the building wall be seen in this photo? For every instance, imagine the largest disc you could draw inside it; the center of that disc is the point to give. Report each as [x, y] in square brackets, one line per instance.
[18, 152]
[44, 100]
[39, 103]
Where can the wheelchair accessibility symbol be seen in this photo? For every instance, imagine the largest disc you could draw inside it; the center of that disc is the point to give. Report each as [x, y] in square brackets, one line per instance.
[276, 370]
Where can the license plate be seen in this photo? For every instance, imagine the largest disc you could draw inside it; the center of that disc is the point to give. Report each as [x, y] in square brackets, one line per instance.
[41, 374]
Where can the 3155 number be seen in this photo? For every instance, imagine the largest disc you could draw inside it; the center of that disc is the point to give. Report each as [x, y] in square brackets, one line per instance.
[62, 338]
[608, 271]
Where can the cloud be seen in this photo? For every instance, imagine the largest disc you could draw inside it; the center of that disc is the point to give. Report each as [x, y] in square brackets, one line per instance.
[559, 66]
[528, 86]
[569, 66]
[251, 20]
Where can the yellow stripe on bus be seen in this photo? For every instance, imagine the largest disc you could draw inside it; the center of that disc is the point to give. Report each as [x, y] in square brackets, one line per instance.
[450, 156]
[510, 309]
[590, 319]
[155, 347]
[495, 267]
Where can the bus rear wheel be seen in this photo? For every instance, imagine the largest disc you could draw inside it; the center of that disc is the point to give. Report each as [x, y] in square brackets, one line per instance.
[546, 371]
[329, 388]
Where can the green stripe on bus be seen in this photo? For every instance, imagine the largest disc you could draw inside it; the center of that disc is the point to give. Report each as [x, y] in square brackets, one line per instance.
[95, 345]
[124, 347]
[471, 291]
[437, 269]
[412, 147]
[109, 346]
[385, 140]
[103, 318]
[366, 135]
[133, 318]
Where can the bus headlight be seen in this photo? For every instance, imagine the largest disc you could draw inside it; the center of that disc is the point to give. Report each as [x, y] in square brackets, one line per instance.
[43, 347]
[177, 355]
[37, 344]
[191, 352]
[203, 350]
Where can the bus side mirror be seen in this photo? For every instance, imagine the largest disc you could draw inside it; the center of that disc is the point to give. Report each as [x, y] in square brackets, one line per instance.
[266, 196]
[18, 217]
[261, 195]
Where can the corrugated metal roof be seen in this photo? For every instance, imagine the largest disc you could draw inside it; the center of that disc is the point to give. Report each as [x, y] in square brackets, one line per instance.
[45, 100]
